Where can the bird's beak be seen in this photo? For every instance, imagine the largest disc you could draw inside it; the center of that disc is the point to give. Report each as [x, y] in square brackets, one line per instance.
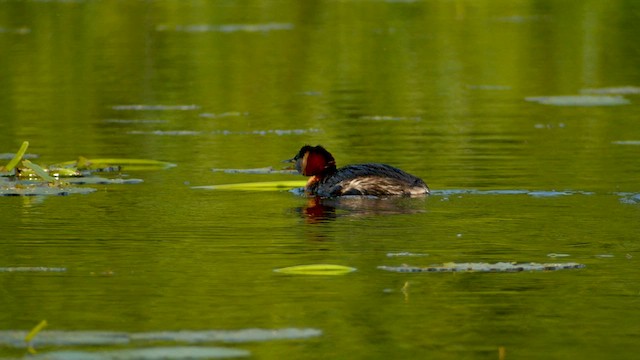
[292, 160]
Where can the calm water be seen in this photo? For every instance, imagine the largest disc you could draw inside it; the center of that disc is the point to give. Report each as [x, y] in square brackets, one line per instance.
[437, 88]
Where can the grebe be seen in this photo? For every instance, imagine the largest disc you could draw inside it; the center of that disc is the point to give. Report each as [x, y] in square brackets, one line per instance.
[361, 179]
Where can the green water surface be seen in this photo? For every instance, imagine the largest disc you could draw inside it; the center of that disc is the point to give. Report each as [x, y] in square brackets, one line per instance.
[438, 88]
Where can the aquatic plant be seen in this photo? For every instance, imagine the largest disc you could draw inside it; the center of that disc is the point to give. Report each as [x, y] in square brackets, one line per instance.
[39, 171]
[32, 334]
[22, 177]
[16, 159]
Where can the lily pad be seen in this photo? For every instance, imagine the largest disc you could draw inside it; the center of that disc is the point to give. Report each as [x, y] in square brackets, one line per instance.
[484, 267]
[580, 100]
[257, 186]
[317, 269]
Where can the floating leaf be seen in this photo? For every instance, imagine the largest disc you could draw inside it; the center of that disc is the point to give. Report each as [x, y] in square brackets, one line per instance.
[317, 269]
[228, 336]
[65, 338]
[15, 338]
[153, 353]
[95, 180]
[44, 189]
[612, 90]
[257, 186]
[483, 267]
[28, 173]
[629, 198]
[405, 253]
[579, 100]
[106, 165]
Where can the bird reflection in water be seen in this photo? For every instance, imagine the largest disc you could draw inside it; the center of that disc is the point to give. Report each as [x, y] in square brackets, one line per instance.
[318, 210]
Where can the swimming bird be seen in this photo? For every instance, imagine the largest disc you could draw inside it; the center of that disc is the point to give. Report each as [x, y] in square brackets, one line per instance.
[360, 179]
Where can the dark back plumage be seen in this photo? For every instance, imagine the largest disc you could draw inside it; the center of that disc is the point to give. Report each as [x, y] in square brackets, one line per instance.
[369, 179]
